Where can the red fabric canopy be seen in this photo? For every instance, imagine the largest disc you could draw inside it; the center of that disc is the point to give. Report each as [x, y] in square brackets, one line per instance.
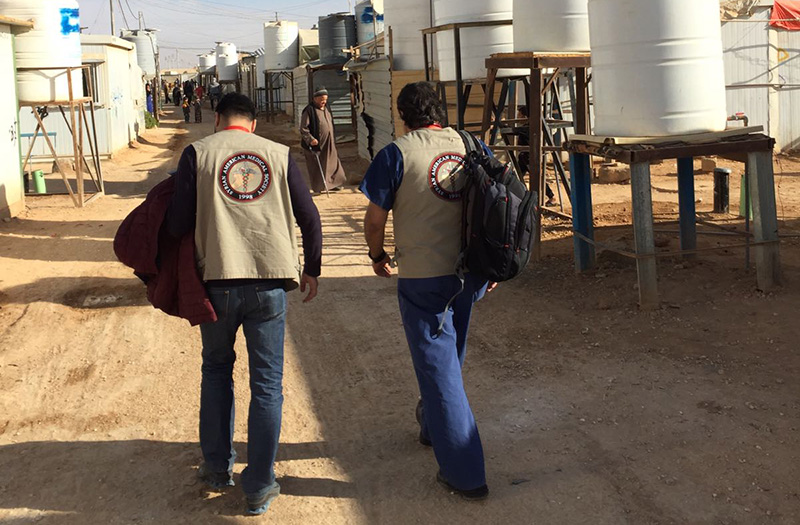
[786, 14]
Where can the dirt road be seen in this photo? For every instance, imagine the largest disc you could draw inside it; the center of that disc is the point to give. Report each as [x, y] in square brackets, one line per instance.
[590, 411]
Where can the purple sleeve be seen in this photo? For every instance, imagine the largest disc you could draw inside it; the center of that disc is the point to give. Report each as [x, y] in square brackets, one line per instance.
[307, 217]
[181, 214]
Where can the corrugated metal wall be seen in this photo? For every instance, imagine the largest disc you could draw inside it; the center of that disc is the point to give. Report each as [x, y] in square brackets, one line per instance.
[373, 92]
[338, 86]
[746, 55]
[787, 74]
[300, 92]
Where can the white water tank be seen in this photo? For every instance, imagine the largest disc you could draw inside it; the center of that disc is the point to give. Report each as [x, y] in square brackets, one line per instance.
[227, 62]
[406, 18]
[477, 43]
[657, 67]
[146, 49]
[551, 25]
[207, 62]
[54, 41]
[369, 21]
[281, 45]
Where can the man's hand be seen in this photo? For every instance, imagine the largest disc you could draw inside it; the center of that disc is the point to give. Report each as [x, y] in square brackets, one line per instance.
[314, 142]
[492, 287]
[383, 267]
[312, 284]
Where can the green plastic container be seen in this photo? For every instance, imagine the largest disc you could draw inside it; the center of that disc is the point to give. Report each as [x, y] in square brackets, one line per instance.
[38, 182]
[742, 205]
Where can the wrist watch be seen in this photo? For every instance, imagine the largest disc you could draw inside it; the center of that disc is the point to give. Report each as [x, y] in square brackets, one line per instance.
[379, 258]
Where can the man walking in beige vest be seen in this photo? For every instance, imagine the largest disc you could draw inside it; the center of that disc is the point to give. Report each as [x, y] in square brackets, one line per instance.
[419, 178]
[242, 195]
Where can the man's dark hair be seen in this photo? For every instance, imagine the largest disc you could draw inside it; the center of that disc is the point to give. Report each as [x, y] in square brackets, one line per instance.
[419, 105]
[236, 105]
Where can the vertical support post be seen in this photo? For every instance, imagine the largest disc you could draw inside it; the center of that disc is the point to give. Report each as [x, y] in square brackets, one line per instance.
[535, 149]
[461, 104]
[75, 149]
[426, 57]
[270, 106]
[582, 216]
[643, 232]
[765, 219]
[688, 213]
[581, 111]
[488, 104]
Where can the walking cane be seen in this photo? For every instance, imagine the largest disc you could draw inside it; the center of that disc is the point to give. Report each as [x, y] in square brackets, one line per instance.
[322, 173]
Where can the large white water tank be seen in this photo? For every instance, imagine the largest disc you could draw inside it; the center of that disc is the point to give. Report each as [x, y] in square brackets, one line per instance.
[551, 25]
[477, 43]
[146, 49]
[53, 42]
[406, 18]
[227, 62]
[369, 21]
[207, 62]
[657, 67]
[281, 45]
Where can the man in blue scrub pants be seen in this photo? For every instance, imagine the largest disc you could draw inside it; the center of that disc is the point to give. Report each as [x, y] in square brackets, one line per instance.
[419, 178]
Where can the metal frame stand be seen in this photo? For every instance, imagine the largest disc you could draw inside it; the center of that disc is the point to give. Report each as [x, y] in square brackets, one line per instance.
[76, 124]
[274, 103]
[463, 86]
[754, 149]
[545, 112]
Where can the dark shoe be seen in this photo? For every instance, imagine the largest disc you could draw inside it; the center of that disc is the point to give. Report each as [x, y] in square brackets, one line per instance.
[260, 505]
[422, 438]
[478, 494]
[215, 480]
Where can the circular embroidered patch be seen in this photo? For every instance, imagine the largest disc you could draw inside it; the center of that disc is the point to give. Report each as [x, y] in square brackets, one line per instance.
[446, 176]
[245, 177]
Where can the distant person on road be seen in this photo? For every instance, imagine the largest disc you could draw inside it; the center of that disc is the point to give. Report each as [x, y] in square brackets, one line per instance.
[165, 89]
[198, 111]
[214, 92]
[199, 92]
[188, 90]
[187, 109]
[148, 89]
[319, 144]
[419, 178]
[176, 94]
[242, 195]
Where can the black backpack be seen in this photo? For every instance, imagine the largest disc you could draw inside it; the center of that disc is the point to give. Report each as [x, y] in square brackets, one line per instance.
[499, 217]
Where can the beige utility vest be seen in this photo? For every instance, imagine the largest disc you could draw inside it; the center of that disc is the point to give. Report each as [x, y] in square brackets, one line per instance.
[245, 224]
[427, 206]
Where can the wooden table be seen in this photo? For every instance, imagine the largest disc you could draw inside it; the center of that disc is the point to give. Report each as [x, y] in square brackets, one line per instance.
[754, 149]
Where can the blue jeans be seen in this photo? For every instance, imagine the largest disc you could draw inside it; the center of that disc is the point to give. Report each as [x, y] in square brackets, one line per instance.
[447, 417]
[261, 311]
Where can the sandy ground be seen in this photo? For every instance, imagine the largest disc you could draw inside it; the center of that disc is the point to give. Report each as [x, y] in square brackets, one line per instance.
[590, 410]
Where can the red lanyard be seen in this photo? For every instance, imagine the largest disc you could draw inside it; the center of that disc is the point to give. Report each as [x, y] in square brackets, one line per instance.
[239, 128]
[434, 126]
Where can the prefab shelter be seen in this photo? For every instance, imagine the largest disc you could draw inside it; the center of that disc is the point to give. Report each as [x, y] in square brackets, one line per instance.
[12, 193]
[119, 96]
[372, 101]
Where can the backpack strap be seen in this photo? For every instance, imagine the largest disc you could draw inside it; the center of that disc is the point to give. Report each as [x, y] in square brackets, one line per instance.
[472, 146]
[470, 142]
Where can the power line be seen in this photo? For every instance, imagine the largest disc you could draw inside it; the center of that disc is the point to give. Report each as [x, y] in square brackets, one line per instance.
[124, 18]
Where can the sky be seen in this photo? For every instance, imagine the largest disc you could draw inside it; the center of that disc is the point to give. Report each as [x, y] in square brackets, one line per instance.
[190, 27]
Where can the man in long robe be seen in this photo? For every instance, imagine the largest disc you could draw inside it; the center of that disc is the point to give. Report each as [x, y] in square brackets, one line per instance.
[319, 144]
